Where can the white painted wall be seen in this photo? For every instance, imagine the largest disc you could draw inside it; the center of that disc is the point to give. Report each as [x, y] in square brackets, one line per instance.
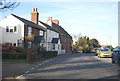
[49, 36]
[12, 37]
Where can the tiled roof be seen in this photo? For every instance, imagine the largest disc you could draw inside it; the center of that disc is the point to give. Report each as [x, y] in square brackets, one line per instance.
[29, 23]
[55, 40]
[60, 29]
[48, 27]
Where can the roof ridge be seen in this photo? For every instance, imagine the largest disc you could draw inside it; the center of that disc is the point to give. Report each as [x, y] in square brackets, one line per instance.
[48, 26]
[62, 29]
[29, 22]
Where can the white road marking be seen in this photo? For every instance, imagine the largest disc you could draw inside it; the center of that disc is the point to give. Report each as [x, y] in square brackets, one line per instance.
[27, 71]
[34, 68]
[19, 76]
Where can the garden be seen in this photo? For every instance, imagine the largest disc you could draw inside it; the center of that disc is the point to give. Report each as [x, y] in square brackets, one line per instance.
[20, 54]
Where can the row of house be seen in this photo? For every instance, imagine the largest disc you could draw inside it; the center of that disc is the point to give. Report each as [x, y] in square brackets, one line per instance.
[50, 35]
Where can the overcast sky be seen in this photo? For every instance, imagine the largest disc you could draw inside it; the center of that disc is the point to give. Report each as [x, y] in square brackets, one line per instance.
[94, 19]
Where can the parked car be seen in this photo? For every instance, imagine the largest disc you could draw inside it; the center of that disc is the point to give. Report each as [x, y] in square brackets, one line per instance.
[97, 51]
[104, 52]
[116, 55]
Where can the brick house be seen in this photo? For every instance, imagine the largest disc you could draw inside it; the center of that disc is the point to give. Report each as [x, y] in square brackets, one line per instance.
[22, 32]
[65, 38]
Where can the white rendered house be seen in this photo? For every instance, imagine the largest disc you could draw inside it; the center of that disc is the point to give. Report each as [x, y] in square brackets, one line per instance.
[14, 29]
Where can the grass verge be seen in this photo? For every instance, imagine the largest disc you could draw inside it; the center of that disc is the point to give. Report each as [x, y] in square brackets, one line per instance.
[15, 60]
[25, 60]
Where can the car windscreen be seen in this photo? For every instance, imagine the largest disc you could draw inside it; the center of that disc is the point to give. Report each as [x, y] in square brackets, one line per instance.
[104, 49]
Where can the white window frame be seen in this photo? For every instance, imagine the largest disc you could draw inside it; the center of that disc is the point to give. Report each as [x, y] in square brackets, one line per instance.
[41, 33]
[11, 28]
[14, 28]
[54, 46]
[29, 30]
[29, 44]
[7, 29]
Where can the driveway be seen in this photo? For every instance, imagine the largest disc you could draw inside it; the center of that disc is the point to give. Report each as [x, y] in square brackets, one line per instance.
[73, 66]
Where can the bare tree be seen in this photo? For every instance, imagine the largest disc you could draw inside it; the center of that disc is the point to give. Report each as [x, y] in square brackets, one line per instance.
[8, 5]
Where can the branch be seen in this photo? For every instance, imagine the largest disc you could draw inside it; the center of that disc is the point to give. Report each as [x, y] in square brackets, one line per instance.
[8, 5]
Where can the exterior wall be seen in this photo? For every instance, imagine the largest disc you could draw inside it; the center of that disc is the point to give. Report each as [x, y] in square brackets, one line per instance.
[48, 37]
[51, 35]
[65, 39]
[45, 36]
[66, 43]
[12, 37]
[35, 32]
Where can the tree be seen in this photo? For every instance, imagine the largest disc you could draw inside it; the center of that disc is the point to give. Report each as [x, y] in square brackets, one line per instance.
[85, 44]
[94, 43]
[8, 5]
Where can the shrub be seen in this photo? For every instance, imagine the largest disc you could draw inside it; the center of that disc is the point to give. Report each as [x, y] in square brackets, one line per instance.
[9, 51]
[39, 49]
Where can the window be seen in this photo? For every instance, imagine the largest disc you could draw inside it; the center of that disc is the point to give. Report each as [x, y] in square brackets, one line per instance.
[53, 46]
[14, 44]
[29, 30]
[40, 33]
[11, 30]
[65, 39]
[29, 44]
[15, 29]
[7, 29]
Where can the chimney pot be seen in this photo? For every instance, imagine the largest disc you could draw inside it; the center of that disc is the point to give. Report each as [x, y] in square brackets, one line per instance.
[34, 9]
[56, 21]
[34, 15]
[49, 18]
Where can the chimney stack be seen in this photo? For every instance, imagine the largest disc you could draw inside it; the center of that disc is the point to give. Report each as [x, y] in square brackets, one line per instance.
[56, 21]
[49, 21]
[34, 15]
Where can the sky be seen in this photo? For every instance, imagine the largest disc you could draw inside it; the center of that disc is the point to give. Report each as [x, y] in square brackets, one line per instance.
[95, 19]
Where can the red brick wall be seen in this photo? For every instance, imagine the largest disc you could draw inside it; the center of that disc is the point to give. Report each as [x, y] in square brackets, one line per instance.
[25, 29]
[66, 47]
[35, 32]
[34, 17]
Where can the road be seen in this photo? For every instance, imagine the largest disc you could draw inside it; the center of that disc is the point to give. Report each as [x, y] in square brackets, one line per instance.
[73, 66]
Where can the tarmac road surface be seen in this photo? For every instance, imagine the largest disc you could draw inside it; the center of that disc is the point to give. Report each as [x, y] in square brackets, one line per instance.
[73, 66]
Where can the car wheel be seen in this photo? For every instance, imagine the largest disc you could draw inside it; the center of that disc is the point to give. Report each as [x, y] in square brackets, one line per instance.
[113, 61]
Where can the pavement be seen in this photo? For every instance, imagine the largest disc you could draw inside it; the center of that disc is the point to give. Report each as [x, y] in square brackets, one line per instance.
[73, 66]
